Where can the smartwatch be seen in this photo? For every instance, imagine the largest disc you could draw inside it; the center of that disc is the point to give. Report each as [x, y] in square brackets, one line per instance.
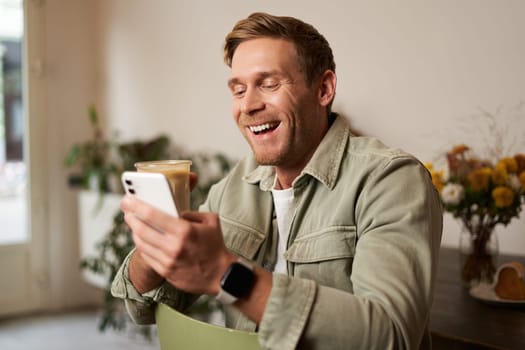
[237, 282]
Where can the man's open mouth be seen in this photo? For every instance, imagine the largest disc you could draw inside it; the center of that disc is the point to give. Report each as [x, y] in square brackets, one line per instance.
[263, 128]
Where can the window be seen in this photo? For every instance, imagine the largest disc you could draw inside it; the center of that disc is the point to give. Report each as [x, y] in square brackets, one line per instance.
[12, 166]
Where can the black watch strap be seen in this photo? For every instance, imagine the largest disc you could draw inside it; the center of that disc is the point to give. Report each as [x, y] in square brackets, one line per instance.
[237, 281]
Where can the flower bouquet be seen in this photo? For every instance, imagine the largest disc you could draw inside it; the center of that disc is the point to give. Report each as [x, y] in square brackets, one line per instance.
[481, 195]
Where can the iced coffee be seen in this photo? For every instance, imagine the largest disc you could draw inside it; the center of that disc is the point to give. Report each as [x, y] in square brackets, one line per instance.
[178, 174]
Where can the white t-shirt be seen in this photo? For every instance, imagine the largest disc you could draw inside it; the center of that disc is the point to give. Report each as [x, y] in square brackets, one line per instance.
[284, 210]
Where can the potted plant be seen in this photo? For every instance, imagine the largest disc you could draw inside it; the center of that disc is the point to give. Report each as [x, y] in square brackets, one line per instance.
[93, 159]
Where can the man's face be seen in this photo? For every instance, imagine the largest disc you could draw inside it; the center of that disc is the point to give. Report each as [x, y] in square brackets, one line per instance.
[277, 112]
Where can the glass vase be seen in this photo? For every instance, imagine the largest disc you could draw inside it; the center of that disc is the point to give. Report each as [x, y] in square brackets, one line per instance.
[478, 255]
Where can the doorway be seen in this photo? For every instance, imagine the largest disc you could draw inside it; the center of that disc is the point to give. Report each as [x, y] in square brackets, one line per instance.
[23, 259]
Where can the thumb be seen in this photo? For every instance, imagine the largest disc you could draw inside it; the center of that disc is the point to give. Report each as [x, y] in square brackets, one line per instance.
[200, 217]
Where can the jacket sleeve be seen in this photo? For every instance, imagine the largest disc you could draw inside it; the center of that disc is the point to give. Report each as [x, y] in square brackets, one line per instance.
[141, 307]
[399, 223]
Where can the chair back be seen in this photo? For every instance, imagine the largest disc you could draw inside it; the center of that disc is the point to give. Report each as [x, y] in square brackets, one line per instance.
[180, 332]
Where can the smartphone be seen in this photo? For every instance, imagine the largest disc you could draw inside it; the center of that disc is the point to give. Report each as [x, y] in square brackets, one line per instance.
[152, 188]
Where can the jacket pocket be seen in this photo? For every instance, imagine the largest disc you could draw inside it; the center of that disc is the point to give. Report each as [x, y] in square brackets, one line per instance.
[241, 239]
[325, 256]
[336, 242]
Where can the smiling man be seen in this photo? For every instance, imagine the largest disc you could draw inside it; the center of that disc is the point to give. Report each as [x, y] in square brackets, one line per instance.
[282, 116]
[318, 239]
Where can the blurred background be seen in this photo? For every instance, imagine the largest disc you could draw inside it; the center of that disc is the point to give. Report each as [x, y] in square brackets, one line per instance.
[421, 76]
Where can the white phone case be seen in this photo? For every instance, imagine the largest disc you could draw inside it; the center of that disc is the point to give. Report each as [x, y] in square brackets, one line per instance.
[152, 188]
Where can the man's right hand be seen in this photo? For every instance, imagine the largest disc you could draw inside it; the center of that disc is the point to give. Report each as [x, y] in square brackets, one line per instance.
[143, 277]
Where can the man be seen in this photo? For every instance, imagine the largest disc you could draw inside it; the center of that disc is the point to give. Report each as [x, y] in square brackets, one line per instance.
[319, 239]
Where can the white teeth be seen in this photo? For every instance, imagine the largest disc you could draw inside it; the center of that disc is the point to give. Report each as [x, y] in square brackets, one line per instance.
[259, 128]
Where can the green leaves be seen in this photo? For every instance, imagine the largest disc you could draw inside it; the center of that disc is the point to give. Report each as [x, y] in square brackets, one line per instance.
[93, 116]
[135, 151]
[96, 161]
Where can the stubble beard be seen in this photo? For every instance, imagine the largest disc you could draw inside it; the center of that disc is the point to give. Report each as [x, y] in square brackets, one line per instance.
[268, 159]
[274, 158]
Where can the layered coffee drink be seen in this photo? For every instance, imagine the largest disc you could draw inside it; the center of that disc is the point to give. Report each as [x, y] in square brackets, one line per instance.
[178, 174]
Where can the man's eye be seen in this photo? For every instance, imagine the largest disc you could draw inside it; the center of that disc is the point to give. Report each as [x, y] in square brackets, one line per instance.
[238, 91]
[270, 85]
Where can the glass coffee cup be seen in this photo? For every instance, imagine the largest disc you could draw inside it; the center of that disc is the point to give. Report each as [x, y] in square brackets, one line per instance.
[178, 174]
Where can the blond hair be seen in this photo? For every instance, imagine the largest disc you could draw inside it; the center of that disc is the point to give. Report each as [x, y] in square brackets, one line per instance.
[314, 52]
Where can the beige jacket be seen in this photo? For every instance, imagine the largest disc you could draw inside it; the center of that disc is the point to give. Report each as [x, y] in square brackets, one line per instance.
[362, 252]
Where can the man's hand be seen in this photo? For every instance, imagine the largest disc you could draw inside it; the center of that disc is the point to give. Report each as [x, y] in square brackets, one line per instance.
[188, 252]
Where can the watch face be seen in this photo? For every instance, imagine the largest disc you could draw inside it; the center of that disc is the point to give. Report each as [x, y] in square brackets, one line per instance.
[238, 280]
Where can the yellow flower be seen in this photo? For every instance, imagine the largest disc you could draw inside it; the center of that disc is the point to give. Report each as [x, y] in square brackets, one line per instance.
[429, 166]
[487, 171]
[479, 179]
[436, 180]
[522, 180]
[473, 187]
[520, 160]
[437, 177]
[503, 196]
[500, 175]
[459, 149]
[509, 163]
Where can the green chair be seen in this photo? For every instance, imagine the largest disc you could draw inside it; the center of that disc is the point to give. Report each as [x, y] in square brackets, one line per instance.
[180, 332]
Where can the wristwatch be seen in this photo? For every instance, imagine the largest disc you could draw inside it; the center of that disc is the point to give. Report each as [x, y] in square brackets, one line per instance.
[237, 282]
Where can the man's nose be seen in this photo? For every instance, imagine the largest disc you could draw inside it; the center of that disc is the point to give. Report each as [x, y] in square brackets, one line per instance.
[252, 102]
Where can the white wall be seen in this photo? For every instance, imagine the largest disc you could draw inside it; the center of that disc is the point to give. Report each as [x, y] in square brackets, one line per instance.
[410, 72]
[71, 86]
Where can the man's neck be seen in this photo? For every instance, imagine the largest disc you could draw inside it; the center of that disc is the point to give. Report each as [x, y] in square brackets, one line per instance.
[287, 175]
[285, 178]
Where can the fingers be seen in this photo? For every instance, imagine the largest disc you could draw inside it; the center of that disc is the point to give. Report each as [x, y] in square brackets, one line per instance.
[156, 249]
[126, 203]
[144, 234]
[162, 221]
[203, 218]
[185, 251]
[152, 216]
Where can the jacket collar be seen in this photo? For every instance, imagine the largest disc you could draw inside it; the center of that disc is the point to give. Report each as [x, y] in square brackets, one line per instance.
[323, 166]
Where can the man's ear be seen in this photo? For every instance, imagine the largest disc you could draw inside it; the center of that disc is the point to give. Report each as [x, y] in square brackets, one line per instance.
[327, 85]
